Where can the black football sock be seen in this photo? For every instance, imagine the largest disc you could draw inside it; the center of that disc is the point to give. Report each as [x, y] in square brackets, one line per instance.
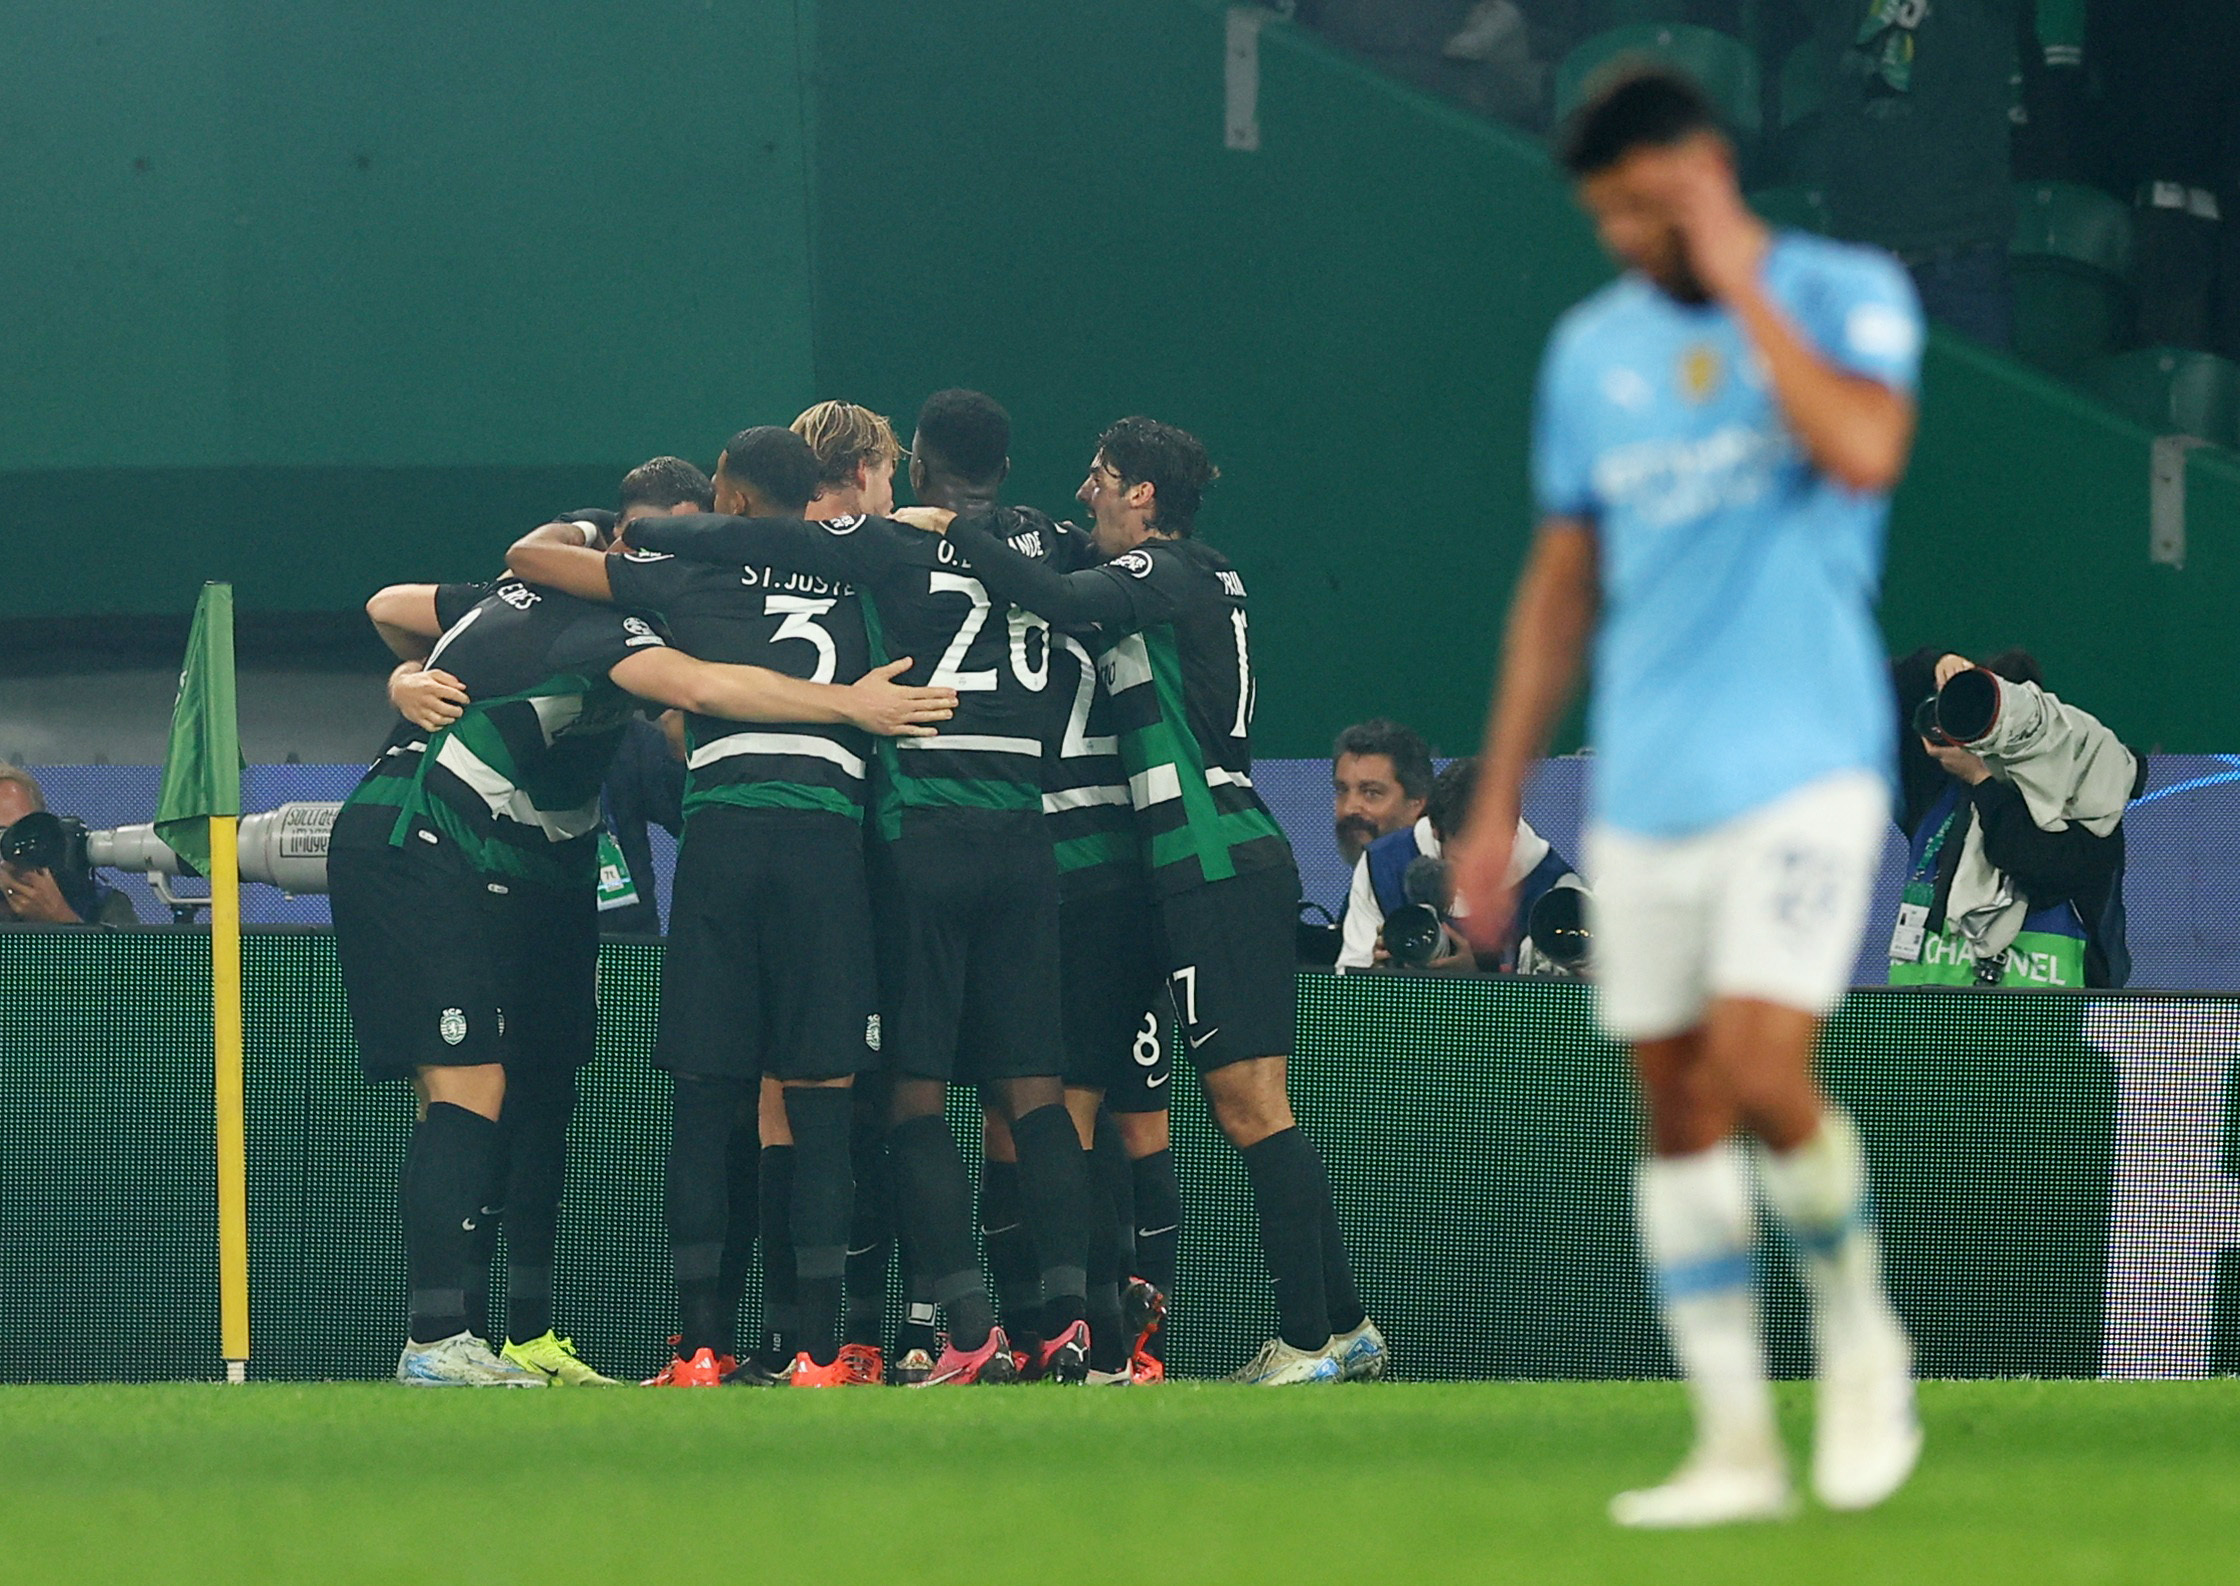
[1011, 1259]
[1289, 1192]
[935, 1195]
[871, 1241]
[1113, 1186]
[824, 1193]
[450, 1170]
[489, 1220]
[696, 1203]
[1111, 1241]
[1339, 1293]
[743, 1191]
[1054, 1199]
[1158, 1222]
[539, 1104]
[781, 1299]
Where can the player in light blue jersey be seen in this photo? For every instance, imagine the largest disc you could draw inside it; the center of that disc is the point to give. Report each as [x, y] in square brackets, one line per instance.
[1716, 439]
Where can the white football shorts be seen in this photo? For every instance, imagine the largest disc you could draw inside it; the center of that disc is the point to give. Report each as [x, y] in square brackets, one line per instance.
[1767, 906]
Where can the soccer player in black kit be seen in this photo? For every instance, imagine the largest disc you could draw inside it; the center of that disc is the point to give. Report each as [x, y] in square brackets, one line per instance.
[1116, 1052]
[462, 872]
[770, 967]
[967, 887]
[1177, 661]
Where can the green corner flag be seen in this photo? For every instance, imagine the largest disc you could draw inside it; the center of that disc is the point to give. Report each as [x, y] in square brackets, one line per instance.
[202, 766]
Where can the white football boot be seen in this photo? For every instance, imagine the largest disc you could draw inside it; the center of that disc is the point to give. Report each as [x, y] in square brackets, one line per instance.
[460, 1361]
[1867, 1437]
[1278, 1365]
[1711, 1488]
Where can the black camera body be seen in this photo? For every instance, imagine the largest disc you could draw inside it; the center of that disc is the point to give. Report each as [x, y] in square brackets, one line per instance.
[45, 841]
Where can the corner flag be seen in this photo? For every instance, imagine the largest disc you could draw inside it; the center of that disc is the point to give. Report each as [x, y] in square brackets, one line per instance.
[202, 766]
[198, 814]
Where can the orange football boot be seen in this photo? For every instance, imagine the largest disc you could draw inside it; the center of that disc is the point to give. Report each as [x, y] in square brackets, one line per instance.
[806, 1373]
[865, 1366]
[705, 1369]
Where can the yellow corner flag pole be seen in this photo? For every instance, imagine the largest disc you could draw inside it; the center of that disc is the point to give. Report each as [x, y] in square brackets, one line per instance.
[225, 1023]
[198, 814]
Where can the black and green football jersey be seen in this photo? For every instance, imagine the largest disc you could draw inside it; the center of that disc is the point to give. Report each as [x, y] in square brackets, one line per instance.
[758, 614]
[920, 599]
[1084, 781]
[1176, 659]
[514, 782]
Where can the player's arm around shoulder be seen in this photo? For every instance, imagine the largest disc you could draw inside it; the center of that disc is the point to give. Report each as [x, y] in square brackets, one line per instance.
[559, 556]
[875, 702]
[405, 617]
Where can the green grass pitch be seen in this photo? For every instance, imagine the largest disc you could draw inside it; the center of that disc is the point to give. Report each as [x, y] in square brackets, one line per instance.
[1483, 1483]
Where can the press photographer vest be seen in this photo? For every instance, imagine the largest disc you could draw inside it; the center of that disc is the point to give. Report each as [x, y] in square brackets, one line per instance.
[1392, 854]
[2048, 952]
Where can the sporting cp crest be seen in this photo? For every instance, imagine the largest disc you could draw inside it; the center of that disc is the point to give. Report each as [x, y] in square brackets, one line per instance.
[871, 1032]
[452, 1026]
[1699, 372]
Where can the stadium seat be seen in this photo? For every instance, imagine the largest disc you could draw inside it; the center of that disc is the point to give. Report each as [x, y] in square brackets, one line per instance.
[2071, 257]
[1798, 208]
[2175, 392]
[1727, 70]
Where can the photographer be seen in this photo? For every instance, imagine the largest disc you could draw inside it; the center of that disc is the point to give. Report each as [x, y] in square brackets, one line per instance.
[44, 876]
[2012, 805]
[1402, 899]
[1380, 776]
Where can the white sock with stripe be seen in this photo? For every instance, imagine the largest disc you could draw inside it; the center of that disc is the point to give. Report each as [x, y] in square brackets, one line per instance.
[1698, 1229]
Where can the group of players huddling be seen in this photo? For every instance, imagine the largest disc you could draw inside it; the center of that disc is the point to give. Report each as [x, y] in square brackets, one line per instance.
[969, 802]
[1061, 816]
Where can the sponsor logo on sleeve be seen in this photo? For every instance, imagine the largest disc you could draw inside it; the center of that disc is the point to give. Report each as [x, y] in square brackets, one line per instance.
[1136, 564]
[847, 523]
[1876, 330]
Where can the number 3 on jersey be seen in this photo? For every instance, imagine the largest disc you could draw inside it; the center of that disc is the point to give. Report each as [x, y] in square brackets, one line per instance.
[801, 614]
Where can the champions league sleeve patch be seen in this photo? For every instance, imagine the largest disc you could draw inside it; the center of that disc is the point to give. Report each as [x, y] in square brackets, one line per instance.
[640, 633]
[635, 555]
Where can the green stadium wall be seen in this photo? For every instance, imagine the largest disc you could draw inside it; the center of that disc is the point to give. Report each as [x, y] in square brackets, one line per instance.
[323, 297]
[2058, 1175]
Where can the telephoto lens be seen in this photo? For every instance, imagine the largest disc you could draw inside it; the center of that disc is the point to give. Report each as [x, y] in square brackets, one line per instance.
[1412, 935]
[1968, 705]
[1558, 928]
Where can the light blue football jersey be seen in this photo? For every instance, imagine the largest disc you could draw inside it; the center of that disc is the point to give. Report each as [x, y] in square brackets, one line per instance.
[1738, 657]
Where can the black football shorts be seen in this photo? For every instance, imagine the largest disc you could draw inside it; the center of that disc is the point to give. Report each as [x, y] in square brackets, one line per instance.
[445, 967]
[1119, 1032]
[769, 967]
[967, 902]
[1231, 960]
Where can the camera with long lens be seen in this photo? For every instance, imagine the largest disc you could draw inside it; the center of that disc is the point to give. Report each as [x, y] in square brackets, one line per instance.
[45, 841]
[1412, 935]
[1558, 933]
[1415, 932]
